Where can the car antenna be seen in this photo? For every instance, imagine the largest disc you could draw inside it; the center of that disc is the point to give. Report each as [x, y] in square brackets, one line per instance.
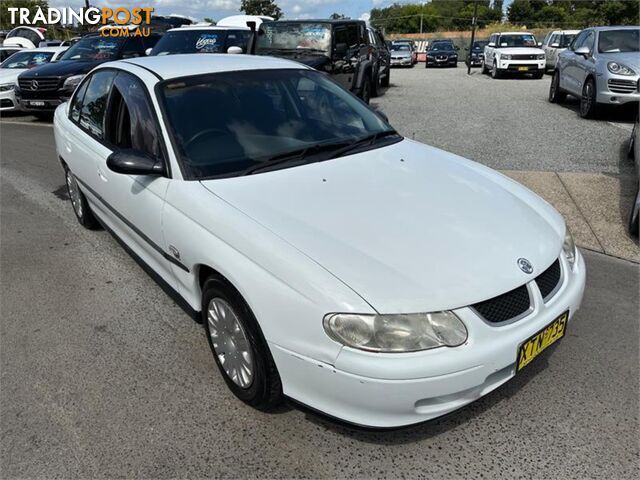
[254, 37]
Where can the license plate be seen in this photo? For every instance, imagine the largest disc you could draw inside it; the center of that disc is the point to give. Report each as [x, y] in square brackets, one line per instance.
[540, 341]
[36, 104]
[523, 69]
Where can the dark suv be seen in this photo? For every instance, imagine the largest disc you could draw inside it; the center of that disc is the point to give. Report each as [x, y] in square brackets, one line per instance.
[442, 53]
[41, 89]
[340, 48]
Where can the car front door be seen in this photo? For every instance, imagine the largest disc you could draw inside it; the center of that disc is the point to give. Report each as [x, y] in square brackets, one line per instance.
[136, 202]
[346, 62]
[570, 71]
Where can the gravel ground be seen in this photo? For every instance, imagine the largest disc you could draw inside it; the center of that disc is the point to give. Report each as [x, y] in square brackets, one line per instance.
[506, 123]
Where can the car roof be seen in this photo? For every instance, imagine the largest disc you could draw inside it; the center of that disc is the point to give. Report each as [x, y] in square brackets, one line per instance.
[565, 32]
[49, 49]
[515, 33]
[616, 27]
[320, 20]
[184, 65]
[185, 28]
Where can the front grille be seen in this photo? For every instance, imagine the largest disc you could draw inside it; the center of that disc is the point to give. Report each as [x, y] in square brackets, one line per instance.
[524, 57]
[442, 57]
[42, 84]
[549, 281]
[506, 306]
[617, 85]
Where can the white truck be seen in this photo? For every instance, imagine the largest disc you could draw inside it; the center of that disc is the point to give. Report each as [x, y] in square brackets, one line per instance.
[513, 52]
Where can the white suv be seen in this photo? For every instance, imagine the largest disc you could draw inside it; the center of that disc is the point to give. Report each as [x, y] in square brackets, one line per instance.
[513, 52]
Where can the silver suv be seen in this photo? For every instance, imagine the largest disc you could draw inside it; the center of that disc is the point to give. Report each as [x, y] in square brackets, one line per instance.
[601, 66]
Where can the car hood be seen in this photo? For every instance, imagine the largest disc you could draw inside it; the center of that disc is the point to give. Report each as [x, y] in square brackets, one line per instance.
[63, 68]
[408, 227]
[630, 59]
[8, 75]
[520, 51]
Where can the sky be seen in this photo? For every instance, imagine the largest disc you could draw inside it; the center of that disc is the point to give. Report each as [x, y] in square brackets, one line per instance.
[217, 9]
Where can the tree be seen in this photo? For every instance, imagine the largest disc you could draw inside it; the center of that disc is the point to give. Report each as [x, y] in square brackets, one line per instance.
[336, 16]
[520, 11]
[261, 7]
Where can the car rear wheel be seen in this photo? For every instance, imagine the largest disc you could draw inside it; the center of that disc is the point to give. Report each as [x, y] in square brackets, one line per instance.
[79, 202]
[385, 82]
[555, 94]
[634, 217]
[238, 347]
[588, 99]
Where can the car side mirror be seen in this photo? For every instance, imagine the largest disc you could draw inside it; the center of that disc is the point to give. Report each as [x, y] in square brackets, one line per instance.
[134, 162]
[555, 45]
[148, 51]
[130, 54]
[341, 49]
[234, 50]
[584, 51]
[491, 44]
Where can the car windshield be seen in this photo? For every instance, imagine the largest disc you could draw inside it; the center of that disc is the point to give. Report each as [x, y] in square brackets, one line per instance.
[28, 59]
[401, 48]
[94, 48]
[294, 35]
[200, 41]
[236, 123]
[615, 41]
[441, 46]
[519, 40]
[479, 45]
[566, 39]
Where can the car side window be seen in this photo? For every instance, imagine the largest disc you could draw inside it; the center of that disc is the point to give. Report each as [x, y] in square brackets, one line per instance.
[353, 36]
[76, 103]
[133, 47]
[554, 39]
[131, 122]
[94, 104]
[577, 43]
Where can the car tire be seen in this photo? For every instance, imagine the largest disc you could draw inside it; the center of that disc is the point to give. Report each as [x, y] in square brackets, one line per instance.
[495, 73]
[483, 67]
[235, 338]
[375, 86]
[365, 93]
[386, 81]
[634, 216]
[556, 95]
[538, 75]
[79, 202]
[43, 116]
[588, 105]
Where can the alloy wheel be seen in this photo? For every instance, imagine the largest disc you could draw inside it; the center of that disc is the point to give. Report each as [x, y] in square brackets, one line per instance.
[230, 342]
[587, 99]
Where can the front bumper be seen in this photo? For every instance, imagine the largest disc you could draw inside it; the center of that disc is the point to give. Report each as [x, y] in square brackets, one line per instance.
[618, 89]
[441, 62]
[40, 102]
[401, 62]
[523, 66]
[393, 390]
[8, 101]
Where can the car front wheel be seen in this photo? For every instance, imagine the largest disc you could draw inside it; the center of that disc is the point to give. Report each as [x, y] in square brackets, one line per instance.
[588, 99]
[495, 73]
[634, 217]
[239, 349]
[483, 68]
[79, 202]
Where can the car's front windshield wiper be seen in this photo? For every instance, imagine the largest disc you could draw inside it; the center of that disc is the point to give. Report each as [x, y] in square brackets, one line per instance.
[296, 157]
[363, 142]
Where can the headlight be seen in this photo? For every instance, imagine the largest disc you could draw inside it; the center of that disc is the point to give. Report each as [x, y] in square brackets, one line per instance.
[569, 247]
[505, 57]
[454, 56]
[72, 82]
[541, 56]
[6, 87]
[396, 332]
[619, 69]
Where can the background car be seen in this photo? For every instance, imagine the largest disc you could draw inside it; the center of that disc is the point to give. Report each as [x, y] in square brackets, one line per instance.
[555, 43]
[201, 39]
[476, 54]
[513, 52]
[20, 62]
[401, 55]
[339, 48]
[602, 67]
[441, 53]
[41, 89]
[25, 37]
[381, 58]
[412, 48]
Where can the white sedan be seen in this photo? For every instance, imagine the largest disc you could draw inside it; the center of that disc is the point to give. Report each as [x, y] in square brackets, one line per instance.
[17, 63]
[370, 277]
